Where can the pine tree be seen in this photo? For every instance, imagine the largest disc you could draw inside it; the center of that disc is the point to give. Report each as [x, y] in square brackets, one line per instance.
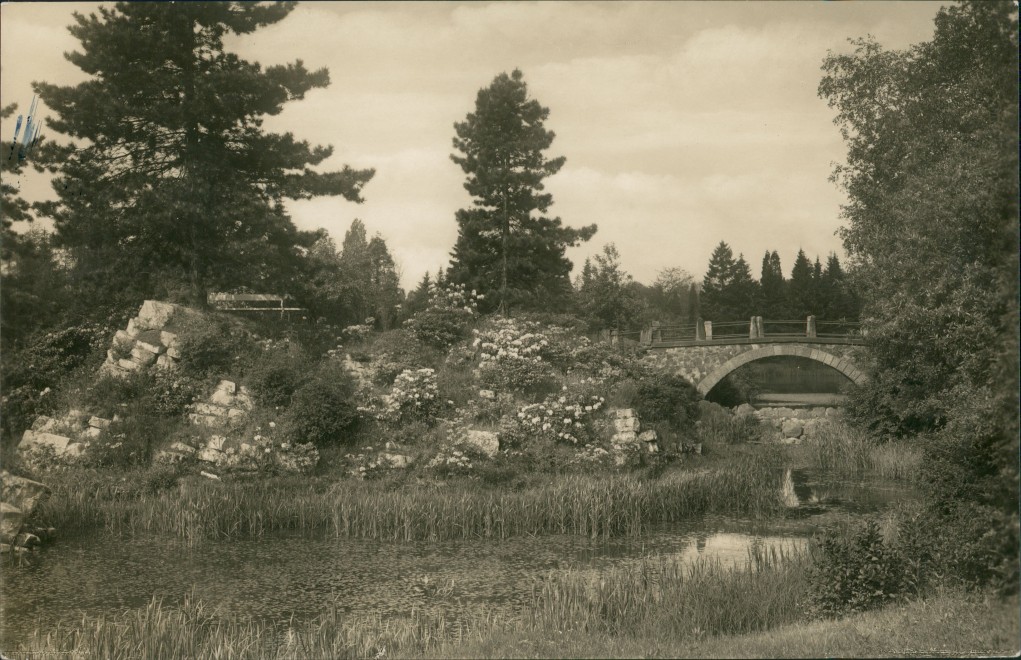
[728, 291]
[774, 288]
[801, 287]
[171, 175]
[507, 248]
[385, 291]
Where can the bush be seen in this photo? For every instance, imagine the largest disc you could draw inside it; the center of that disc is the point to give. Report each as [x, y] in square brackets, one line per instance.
[855, 570]
[510, 356]
[277, 372]
[669, 399]
[716, 425]
[213, 346]
[447, 319]
[323, 408]
[399, 350]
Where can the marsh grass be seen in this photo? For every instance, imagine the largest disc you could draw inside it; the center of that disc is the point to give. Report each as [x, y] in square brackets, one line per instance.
[655, 596]
[842, 449]
[596, 506]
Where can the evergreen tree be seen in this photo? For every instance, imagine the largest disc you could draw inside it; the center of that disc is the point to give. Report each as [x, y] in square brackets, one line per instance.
[355, 263]
[607, 298]
[171, 175]
[384, 283]
[774, 288]
[801, 287]
[839, 301]
[507, 248]
[419, 298]
[694, 304]
[728, 291]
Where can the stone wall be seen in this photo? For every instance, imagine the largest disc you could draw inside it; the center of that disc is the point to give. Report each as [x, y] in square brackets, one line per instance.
[791, 425]
[150, 338]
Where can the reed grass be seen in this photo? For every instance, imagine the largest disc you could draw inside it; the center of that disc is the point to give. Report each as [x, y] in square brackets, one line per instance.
[845, 450]
[656, 596]
[596, 506]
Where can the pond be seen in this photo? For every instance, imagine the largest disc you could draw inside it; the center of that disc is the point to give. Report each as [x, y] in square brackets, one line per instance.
[280, 577]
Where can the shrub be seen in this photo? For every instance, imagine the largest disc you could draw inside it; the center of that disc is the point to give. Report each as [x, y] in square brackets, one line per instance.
[213, 345]
[277, 372]
[323, 408]
[414, 396]
[669, 399]
[611, 364]
[855, 570]
[510, 356]
[716, 425]
[448, 317]
[167, 393]
[399, 350]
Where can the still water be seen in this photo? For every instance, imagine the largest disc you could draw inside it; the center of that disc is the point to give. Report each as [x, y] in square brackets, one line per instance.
[280, 577]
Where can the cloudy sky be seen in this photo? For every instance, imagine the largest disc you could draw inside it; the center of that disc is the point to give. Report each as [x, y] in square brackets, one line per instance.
[683, 123]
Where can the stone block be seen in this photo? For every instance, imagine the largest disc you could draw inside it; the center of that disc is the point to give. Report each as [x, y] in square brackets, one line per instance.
[32, 439]
[11, 520]
[154, 315]
[243, 399]
[44, 424]
[99, 422]
[396, 461]
[792, 428]
[168, 339]
[235, 413]
[21, 492]
[209, 421]
[142, 357]
[123, 341]
[133, 328]
[128, 365]
[172, 351]
[166, 362]
[624, 438]
[216, 442]
[210, 455]
[626, 424]
[92, 432]
[488, 395]
[485, 441]
[209, 409]
[149, 347]
[648, 436]
[182, 448]
[624, 413]
[77, 449]
[745, 409]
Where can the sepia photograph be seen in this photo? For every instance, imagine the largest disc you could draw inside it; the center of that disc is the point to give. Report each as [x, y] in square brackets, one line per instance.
[507, 329]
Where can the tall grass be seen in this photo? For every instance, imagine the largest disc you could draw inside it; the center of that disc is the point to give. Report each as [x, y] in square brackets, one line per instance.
[664, 598]
[842, 449]
[597, 506]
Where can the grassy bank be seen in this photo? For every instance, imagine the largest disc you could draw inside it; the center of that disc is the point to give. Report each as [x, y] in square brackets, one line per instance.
[600, 505]
[652, 609]
[847, 451]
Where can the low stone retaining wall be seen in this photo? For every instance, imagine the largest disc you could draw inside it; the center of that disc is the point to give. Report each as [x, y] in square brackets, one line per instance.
[792, 425]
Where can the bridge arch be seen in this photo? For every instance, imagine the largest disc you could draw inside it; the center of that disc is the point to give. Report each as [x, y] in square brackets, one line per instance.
[841, 364]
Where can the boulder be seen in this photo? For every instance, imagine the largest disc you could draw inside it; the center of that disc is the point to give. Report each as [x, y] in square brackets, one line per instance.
[11, 520]
[76, 449]
[626, 424]
[210, 409]
[22, 493]
[396, 461]
[173, 352]
[44, 424]
[128, 365]
[99, 422]
[33, 439]
[168, 339]
[648, 436]
[792, 428]
[624, 438]
[624, 413]
[216, 442]
[209, 421]
[488, 395]
[210, 455]
[154, 315]
[166, 362]
[487, 442]
[832, 413]
[745, 409]
[182, 448]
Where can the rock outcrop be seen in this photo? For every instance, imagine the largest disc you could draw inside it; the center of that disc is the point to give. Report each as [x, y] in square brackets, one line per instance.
[150, 339]
[18, 499]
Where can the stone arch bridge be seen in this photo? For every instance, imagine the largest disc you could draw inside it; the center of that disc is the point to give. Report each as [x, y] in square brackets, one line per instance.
[705, 360]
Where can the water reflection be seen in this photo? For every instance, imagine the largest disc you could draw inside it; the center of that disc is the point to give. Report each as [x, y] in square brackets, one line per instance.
[280, 577]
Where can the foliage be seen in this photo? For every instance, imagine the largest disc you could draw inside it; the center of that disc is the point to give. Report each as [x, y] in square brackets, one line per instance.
[717, 426]
[669, 399]
[323, 408]
[510, 354]
[728, 291]
[276, 372]
[414, 395]
[562, 417]
[606, 295]
[213, 345]
[395, 351]
[855, 570]
[177, 181]
[507, 248]
[448, 318]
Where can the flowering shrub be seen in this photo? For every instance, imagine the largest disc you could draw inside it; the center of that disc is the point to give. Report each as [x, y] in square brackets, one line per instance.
[603, 361]
[561, 418]
[510, 356]
[371, 466]
[592, 455]
[398, 350]
[360, 331]
[414, 394]
[451, 460]
[169, 392]
[446, 320]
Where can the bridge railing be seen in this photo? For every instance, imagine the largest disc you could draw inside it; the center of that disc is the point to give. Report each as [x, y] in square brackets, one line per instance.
[756, 328]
